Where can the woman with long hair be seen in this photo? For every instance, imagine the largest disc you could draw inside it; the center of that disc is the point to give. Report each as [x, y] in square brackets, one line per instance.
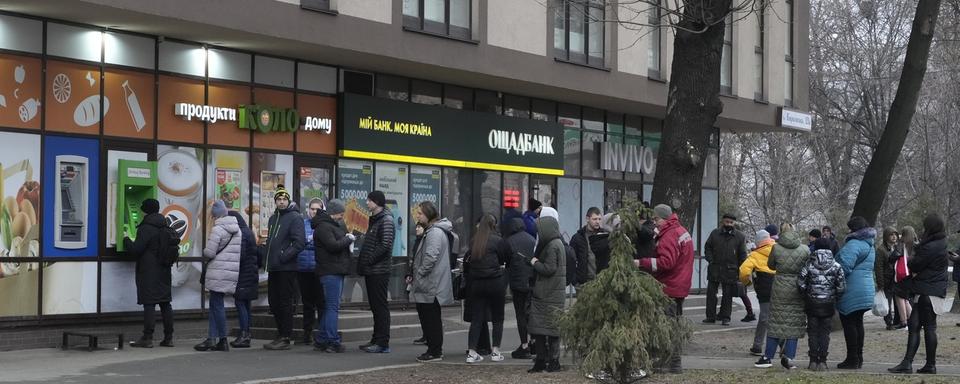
[927, 289]
[904, 249]
[430, 279]
[483, 266]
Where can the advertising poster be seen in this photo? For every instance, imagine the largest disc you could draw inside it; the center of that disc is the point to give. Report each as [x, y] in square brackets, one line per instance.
[133, 95]
[267, 172]
[69, 287]
[227, 175]
[20, 79]
[424, 186]
[113, 160]
[228, 186]
[392, 180]
[314, 184]
[356, 181]
[180, 180]
[72, 202]
[19, 222]
[73, 98]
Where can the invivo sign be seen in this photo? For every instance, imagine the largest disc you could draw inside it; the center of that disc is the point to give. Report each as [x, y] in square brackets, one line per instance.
[260, 118]
[626, 158]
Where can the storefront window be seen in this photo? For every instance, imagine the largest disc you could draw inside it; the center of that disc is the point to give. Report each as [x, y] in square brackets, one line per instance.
[27, 75]
[391, 179]
[490, 190]
[568, 205]
[652, 129]
[516, 106]
[591, 154]
[426, 92]
[457, 205]
[515, 191]
[354, 182]
[267, 172]
[393, 87]
[457, 97]
[424, 186]
[315, 183]
[592, 197]
[544, 110]
[635, 141]
[19, 284]
[487, 101]
[69, 288]
[571, 152]
[614, 135]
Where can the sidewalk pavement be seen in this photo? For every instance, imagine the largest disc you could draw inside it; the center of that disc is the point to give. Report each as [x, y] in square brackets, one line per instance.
[183, 364]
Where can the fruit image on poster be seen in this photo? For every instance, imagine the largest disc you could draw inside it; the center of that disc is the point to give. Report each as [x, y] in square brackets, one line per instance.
[355, 181]
[19, 220]
[20, 79]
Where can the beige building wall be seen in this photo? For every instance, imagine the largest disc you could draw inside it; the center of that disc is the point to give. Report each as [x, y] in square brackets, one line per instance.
[520, 25]
[380, 11]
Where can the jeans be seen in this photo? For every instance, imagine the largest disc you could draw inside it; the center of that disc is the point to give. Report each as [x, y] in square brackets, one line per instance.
[281, 286]
[521, 306]
[431, 322]
[487, 298]
[789, 348]
[818, 330]
[853, 334]
[332, 288]
[149, 320]
[244, 317]
[377, 292]
[726, 303]
[217, 316]
[763, 320]
[311, 295]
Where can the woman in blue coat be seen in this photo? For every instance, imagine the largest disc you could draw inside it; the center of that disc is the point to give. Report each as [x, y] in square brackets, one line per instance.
[856, 257]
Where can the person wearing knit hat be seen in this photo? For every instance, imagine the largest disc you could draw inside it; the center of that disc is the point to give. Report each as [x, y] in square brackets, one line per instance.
[672, 266]
[534, 208]
[218, 209]
[773, 231]
[332, 244]
[755, 271]
[221, 273]
[283, 244]
[374, 264]
[857, 258]
[153, 277]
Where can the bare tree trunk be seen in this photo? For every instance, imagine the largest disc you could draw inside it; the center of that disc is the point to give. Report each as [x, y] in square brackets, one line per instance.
[693, 104]
[876, 179]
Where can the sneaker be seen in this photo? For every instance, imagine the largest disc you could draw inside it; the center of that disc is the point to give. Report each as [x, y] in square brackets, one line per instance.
[763, 363]
[521, 353]
[421, 341]
[167, 342]
[471, 359]
[787, 363]
[377, 349]
[756, 351]
[426, 357]
[142, 343]
[496, 356]
[725, 322]
[366, 345]
[335, 348]
[709, 321]
[280, 344]
[748, 318]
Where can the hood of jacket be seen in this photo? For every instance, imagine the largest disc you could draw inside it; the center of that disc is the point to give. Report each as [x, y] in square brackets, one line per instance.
[228, 223]
[322, 217]
[789, 240]
[506, 223]
[154, 219]
[512, 227]
[548, 228]
[823, 259]
[868, 234]
[290, 208]
[886, 234]
[446, 225]
[240, 221]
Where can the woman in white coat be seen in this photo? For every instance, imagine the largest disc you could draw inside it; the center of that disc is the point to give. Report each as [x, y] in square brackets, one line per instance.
[222, 259]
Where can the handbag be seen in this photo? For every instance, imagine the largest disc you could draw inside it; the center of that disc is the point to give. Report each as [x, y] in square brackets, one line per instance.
[881, 307]
[901, 268]
[203, 271]
[460, 281]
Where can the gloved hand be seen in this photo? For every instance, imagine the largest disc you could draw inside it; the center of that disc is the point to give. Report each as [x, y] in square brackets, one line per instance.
[351, 237]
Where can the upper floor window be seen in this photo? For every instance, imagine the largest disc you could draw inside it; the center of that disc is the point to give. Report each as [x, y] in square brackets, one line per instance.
[578, 31]
[653, 51]
[758, 75]
[442, 17]
[788, 58]
[726, 61]
[316, 5]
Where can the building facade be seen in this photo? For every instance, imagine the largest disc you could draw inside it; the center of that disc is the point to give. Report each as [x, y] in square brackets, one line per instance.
[478, 105]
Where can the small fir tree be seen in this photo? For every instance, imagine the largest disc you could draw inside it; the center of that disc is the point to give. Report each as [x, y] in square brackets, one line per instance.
[617, 325]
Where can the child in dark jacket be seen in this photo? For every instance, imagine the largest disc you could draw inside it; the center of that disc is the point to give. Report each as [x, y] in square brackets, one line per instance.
[822, 282]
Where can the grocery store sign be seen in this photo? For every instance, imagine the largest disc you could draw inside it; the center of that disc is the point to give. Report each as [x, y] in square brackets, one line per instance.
[260, 118]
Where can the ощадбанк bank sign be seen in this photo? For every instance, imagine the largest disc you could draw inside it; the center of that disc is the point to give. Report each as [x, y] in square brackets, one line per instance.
[390, 130]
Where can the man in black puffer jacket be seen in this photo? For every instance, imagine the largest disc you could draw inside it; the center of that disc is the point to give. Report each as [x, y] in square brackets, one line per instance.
[285, 240]
[520, 274]
[332, 254]
[374, 266]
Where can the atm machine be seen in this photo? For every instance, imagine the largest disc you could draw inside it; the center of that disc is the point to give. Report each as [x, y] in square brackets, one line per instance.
[136, 182]
[71, 217]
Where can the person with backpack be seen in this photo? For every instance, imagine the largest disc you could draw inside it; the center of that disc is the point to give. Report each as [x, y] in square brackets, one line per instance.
[153, 276]
[431, 278]
[821, 281]
[520, 275]
[222, 272]
[248, 281]
[332, 243]
[285, 240]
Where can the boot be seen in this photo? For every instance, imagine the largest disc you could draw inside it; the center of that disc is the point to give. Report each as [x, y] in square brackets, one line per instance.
[913, 344]
[167, 341]
[930, 345]
[538, 366]
[242, 341]
[553, 365]
[221, 345]
[903, 367]
[814, 360]
[928, 368]
[822, 362]
[206, 345]
[143, 342]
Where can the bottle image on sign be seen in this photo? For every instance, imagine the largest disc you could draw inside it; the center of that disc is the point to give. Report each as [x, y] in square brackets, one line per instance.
[133, 106]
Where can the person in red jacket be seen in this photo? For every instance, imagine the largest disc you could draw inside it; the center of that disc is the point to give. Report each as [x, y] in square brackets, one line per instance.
[672, 266]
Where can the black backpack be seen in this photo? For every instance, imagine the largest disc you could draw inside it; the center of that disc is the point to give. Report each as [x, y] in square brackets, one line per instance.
[452, 252]
[169, 250]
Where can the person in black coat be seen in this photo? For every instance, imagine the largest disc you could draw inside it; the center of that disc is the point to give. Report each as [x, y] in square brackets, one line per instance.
[332, 244]
[520, 274]
[153, 275]
[248, 281]
[725, 250]
[483, 268]
[927, 287]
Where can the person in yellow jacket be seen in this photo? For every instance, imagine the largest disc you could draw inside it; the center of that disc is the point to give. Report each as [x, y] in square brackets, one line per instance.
[756, 265]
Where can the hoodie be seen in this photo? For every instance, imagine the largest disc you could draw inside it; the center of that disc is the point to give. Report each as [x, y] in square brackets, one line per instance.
[821, 280]
[519, 271]
[285, 240]
[882, 267]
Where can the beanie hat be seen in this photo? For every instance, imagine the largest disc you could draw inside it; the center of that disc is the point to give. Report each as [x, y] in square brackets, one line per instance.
[533, 204]
[663, 211]
[219, 209]
[821, 243]
[762, 235]
[377, 198]
[857, 223]
[550, 212]
[772, 230]
[816, 233]
[335, 207]
[281, 192]
[150, 206]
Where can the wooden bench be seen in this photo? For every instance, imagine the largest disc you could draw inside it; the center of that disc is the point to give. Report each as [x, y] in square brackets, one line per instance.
[92, 339]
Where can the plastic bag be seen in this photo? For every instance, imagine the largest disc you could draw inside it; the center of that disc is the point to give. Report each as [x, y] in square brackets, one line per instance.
[881, 307]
